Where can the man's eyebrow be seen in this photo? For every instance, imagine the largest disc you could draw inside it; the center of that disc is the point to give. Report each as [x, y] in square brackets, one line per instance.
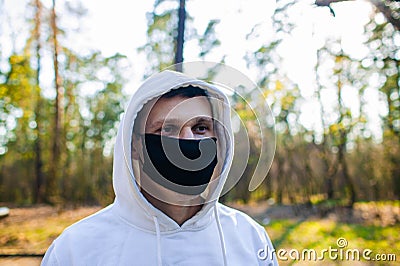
[204, 119]
[160, 122]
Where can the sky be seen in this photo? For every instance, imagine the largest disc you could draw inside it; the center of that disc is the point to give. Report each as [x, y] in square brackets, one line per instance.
[119, 26]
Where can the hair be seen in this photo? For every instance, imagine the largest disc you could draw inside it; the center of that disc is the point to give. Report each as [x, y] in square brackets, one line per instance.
[184, 92]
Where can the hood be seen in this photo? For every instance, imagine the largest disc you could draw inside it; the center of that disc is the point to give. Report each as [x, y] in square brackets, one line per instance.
[129, 202]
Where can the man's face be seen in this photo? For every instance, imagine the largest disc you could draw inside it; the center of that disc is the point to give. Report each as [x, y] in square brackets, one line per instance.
[178, 117]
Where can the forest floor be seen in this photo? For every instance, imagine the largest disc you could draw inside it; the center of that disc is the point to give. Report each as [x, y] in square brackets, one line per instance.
[27, 232]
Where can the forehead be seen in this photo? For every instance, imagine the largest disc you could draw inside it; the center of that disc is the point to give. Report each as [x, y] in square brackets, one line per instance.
[179, 109]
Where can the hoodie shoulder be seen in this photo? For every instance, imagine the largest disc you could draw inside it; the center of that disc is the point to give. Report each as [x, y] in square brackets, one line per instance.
[238, 216]
[82, 239]
[246, 235]
[241, 223]
[93, 228]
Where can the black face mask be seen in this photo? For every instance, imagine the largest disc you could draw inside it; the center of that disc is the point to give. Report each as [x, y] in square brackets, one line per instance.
[181, 165]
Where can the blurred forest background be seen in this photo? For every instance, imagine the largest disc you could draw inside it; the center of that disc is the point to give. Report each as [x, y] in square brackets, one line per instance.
[56, 144]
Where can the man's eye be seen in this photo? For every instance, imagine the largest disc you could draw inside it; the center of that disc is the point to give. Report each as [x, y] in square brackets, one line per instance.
[168, 129]
[201, 128]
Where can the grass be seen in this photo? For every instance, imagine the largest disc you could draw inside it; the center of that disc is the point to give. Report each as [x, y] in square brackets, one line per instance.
[31, 230]
[323, 233]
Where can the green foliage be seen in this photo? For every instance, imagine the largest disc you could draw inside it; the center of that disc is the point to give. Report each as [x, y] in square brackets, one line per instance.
[209, 39]
[336, 157]
[161, 32]
[92, 101]
[160, 47]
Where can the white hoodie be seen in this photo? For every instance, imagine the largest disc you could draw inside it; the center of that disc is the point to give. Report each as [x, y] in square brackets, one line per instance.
[131, 231]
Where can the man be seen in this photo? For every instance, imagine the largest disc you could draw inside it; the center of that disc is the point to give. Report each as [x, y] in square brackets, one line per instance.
[171, 159]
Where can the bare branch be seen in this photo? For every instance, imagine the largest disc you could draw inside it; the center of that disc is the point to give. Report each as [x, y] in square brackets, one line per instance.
[328, 2]
[379, 4]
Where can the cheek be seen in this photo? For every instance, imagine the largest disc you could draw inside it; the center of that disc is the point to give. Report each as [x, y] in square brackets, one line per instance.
[211, 132]
[136, 149]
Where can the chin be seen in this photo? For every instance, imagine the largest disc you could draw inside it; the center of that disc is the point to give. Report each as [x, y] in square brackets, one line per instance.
[168, 196]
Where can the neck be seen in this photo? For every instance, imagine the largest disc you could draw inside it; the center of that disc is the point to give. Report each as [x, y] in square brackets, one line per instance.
[179, 214]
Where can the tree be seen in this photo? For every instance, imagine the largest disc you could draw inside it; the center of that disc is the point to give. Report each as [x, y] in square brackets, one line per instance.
[17, 120]
[383, 61]
[88, 122]
[39, 175]
[168, 29]
[389, 8]
[283, 96]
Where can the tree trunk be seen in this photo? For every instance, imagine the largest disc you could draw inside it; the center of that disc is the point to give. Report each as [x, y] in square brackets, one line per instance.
[330, 168]
[52, 184]
[38, 189]
[346, 176]
[181, 36]
[280, 180]
[343, 138]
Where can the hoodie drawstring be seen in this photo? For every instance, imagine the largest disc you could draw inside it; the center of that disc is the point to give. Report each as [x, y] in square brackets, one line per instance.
[220, 233]
[221, 236]
[158, 236]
